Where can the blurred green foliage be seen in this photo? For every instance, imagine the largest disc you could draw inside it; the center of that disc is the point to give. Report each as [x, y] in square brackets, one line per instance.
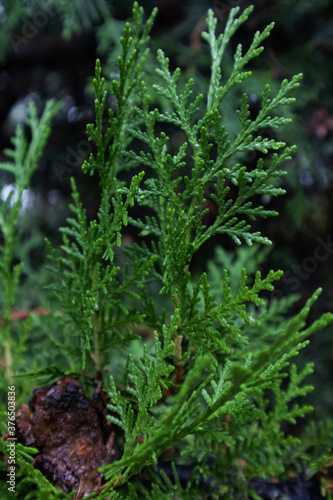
[301, 41]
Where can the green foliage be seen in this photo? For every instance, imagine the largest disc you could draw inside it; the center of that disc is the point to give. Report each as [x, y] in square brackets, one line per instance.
[24, 20]
[13, 11]
[80, 16]
[28, 475]
[24, 162]
[91, 292]
[211, 386]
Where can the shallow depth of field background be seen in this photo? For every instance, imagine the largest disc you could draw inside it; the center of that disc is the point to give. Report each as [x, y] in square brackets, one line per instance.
[49, 52]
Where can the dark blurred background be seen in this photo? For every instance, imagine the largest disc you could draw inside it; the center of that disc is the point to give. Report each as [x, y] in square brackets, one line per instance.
[48, 50]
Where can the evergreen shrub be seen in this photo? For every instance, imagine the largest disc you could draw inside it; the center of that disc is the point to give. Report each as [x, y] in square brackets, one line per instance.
[194, 365]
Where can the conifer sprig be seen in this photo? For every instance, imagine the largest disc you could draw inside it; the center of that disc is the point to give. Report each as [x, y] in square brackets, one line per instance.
[91, 290]
[25, 156]
[178, 200]
[206, 338]
[218, 351]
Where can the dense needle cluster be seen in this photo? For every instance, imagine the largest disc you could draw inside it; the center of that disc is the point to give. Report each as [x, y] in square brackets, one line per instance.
[208, 389]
